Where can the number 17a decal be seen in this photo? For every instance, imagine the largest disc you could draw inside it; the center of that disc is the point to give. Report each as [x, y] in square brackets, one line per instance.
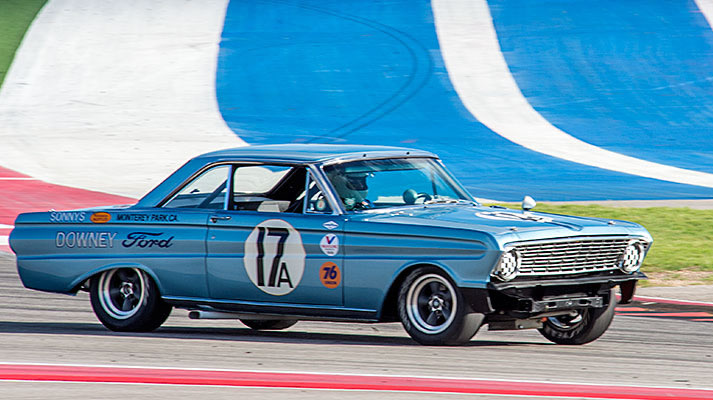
[274, 257]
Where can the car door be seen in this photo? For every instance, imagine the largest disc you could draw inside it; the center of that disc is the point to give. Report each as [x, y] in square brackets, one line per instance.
[171, 239]
[277, 241]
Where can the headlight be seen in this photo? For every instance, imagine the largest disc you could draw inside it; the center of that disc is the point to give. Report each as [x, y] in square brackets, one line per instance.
[508, 266]
[632, 258]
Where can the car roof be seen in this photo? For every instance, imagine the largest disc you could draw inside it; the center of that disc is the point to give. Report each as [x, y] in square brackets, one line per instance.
[312, 153]
[277, 153]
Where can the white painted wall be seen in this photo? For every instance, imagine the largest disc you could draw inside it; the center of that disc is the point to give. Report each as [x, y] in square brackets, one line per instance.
[114, 95]
[481, 77]
[706, 7]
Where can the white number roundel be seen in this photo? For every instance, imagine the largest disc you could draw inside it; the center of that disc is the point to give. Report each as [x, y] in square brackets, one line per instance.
[274, 257]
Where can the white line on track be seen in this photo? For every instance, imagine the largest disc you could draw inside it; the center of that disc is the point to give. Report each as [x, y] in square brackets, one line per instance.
[481, 77]
[301, 390]
[114, 95]
[706, 7]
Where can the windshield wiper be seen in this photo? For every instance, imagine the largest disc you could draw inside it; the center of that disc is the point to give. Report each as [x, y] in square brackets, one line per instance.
[446, 200]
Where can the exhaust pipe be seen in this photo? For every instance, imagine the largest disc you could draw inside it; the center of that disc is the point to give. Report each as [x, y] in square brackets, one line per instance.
[198, 314]
[202, 314]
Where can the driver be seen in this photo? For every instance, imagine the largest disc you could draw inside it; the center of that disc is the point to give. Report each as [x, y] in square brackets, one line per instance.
[351, 188]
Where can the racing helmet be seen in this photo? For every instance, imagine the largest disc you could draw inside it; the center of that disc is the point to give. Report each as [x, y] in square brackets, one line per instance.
[351, 186]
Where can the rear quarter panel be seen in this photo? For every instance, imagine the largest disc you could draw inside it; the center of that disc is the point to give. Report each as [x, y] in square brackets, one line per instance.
[57, 251]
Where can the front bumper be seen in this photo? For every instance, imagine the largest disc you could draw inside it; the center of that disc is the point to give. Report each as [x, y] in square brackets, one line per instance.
[529, 298]
[611, 279]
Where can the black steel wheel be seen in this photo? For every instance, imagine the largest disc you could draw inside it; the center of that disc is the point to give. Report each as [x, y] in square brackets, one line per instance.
[580, 326]
[433, 311]
[268, 324]
[127, 300]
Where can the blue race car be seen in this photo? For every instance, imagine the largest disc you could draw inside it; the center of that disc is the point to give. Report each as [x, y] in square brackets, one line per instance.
[275, 234]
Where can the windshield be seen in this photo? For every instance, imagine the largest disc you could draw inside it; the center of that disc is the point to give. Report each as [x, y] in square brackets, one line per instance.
[395, 182]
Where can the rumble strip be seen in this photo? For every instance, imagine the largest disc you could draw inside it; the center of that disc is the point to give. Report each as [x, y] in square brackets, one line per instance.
[328, 381]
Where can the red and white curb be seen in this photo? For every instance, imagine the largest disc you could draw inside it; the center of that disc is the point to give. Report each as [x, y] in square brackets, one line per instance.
[4, 237]
[329, 381]
[691, 310]
[22, 193]
[647, 299]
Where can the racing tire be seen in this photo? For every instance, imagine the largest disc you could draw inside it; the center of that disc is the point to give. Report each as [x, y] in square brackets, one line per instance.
[433, 311]
[585, 326]
[268, 324]
[127, 300]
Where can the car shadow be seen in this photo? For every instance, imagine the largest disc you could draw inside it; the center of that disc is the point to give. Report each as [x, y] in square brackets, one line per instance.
[294, 335]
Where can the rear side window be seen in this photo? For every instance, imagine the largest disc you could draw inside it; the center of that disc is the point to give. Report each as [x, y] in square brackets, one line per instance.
[257, 179]
[268, 188]
[207, 190]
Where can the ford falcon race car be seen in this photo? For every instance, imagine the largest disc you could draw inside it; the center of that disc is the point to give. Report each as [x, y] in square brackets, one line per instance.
[274, 234]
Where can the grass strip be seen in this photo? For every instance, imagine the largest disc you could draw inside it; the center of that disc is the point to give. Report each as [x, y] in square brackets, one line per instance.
[15, 18]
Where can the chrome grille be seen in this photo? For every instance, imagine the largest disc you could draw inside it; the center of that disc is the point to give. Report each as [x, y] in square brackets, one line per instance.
[570, 256]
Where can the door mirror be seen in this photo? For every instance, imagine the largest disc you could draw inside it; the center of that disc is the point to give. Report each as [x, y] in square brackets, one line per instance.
[528, 203]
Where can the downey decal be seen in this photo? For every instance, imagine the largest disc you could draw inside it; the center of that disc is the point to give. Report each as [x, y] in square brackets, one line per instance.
[85, 240]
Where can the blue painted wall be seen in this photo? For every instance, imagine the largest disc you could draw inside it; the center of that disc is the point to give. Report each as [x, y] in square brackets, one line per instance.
[635, 77]
[345, 71]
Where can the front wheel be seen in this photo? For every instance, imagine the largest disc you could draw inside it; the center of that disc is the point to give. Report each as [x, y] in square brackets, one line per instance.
[580, 326]
[127, 300]
[433, 311]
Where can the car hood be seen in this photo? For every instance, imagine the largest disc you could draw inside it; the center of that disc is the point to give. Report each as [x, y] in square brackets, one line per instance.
[506, 225]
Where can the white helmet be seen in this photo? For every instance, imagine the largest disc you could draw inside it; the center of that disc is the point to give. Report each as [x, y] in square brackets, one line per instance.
[351, 187]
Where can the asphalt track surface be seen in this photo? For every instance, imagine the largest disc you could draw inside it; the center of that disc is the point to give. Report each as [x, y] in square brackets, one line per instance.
[40, 329]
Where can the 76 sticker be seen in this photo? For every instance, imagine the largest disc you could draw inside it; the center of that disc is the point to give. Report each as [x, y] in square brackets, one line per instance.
[330, 275]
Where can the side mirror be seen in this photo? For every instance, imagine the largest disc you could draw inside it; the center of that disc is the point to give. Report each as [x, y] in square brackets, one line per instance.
[528, 203]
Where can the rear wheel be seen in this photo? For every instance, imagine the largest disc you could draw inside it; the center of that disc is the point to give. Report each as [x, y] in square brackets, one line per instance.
[127, 300]
[268, 324]
[581, 326]
[433, 311]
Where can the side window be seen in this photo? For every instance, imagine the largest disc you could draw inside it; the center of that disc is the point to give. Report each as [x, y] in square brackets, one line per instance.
[316, 200]
[257, 179]
[205, 191]
[268, 188]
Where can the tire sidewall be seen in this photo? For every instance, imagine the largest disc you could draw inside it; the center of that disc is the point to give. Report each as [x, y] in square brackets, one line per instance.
[151, 312]
[595, 322]
[461, 328]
